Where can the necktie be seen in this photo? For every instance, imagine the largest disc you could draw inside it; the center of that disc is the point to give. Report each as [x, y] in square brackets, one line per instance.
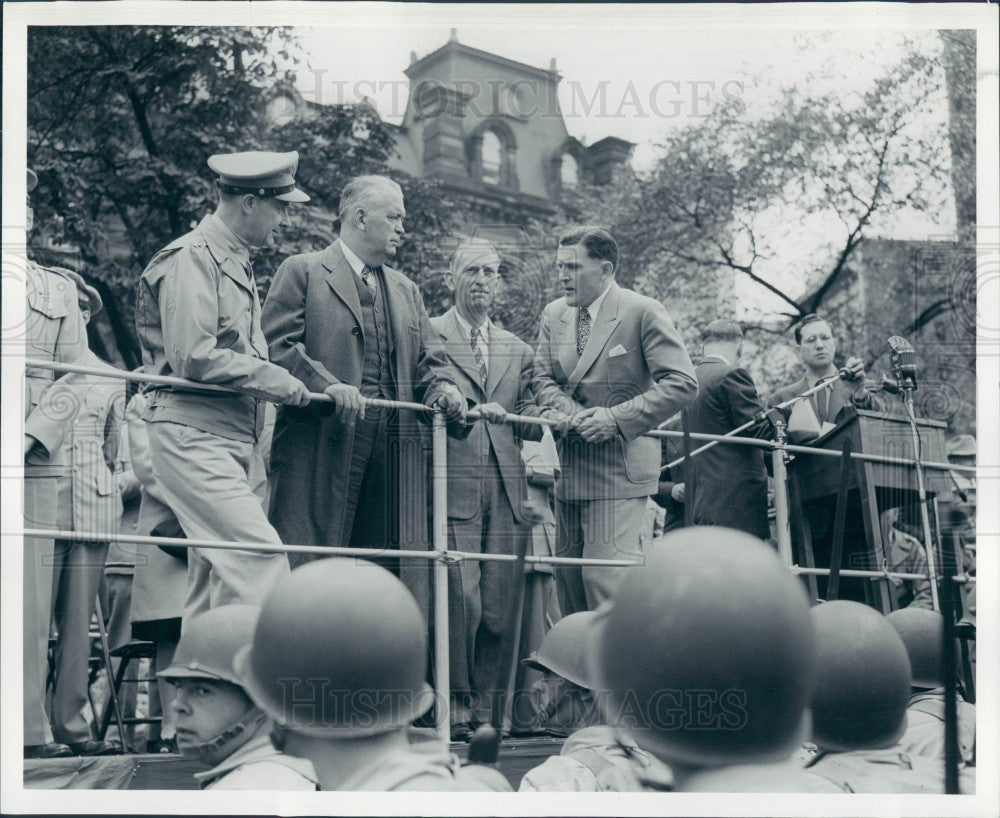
[477, 353]
[582, 330]
[368, 277]
[822, 403]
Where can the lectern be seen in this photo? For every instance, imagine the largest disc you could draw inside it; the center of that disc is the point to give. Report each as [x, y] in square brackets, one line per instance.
[872, 488]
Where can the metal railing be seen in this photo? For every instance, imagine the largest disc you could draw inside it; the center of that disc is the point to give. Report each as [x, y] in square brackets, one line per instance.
[439, 551]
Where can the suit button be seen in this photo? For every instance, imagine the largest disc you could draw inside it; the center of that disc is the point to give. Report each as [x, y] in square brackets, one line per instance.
[355, 330]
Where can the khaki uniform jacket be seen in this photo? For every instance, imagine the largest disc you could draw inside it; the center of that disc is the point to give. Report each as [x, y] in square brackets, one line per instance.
[90, 409]
[257, 765]
[54, 332]
[508, 383]
[198, 317]
[594, 759]
[635, 364]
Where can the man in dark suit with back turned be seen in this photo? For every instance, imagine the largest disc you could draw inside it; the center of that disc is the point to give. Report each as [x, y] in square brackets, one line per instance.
[347, 324]
[487, 489]
[730, 480]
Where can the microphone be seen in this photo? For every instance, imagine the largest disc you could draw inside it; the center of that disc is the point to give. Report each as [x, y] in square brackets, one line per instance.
[903, 358]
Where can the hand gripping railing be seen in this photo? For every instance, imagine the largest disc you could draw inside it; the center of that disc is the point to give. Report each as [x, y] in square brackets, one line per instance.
[440, 553]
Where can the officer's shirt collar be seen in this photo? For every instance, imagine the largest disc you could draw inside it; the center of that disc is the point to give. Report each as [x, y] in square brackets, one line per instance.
[224, 240]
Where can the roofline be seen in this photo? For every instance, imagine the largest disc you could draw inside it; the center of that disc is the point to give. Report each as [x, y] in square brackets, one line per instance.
[453, 45]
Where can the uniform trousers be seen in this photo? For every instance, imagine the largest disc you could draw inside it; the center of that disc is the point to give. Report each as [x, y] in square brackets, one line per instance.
[480, 593]
[76, 578]
[595, 529]
[40, 497]
[209, 483]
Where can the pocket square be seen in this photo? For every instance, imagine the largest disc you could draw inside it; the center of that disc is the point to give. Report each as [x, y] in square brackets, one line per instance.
[617, 350]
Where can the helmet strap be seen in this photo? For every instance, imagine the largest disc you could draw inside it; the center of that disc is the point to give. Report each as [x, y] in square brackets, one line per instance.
[249, 723]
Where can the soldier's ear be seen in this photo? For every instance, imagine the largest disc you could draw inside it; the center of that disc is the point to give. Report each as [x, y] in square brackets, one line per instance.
[449, 280]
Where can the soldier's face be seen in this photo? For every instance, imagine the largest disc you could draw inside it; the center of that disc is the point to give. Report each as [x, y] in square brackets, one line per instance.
[383, 223]
[477, 281]
[203, 708]
[267, 216]
[817, 346]
[582, 277]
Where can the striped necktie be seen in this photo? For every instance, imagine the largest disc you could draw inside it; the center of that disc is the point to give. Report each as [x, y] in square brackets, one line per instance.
[582, 330]
[477, 353]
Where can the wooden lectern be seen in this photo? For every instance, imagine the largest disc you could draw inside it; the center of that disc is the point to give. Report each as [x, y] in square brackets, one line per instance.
[872, 489]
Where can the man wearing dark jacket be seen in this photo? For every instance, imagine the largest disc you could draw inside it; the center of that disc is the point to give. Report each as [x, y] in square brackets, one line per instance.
[730, 480]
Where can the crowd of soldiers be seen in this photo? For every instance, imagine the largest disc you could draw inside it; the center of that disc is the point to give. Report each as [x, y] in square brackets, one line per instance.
[696, 670]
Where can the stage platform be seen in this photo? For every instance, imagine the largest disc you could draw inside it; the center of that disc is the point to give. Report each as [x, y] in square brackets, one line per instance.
[174, 772]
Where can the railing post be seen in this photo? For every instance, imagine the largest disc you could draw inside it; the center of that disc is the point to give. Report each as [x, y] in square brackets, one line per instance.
[440, 528]
[779, 460]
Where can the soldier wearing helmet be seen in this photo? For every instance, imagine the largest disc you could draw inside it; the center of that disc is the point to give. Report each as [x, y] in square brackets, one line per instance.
[859, 702]
[706, 658]
[216, 721]
[595, 758]
[922, 634]
[344, 684]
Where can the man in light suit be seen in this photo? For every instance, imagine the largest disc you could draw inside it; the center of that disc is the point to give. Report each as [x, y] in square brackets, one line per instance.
[487, 487]
[345, 323]
[609, 367]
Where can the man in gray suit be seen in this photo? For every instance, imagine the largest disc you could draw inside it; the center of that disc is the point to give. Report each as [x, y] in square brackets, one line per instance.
[609, 367]
[347, 324]
[487, 487]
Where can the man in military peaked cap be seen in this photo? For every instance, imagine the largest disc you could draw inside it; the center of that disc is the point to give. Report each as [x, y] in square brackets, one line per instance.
[198, 317]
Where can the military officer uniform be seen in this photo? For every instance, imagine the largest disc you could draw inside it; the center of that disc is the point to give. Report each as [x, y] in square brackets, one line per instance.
[88, 501]
[54, 331]
[198, 317]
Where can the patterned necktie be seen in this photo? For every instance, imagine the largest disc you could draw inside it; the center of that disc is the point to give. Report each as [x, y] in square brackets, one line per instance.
[477, 353]
[368, 277]
[582, 330]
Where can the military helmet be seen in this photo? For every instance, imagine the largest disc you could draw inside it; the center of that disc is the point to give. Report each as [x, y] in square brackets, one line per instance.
[340, 651]
[706, 655]
[922, 632]
[209, 642]
[564, 648]
[863, 678]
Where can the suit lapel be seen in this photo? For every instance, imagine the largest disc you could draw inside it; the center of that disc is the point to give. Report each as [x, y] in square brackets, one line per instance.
[604, 324]
[565, 339]
[501, 359]
[341, 280]
[459, 348]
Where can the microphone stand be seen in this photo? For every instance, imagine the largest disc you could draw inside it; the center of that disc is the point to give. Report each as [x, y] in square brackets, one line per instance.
[922, 494]
[907, 382]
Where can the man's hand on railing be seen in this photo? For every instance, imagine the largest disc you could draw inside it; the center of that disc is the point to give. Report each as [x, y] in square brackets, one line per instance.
[452, 402]
[299, 395]
[596, 424]
[347, 401]
[491, 412]
[563, 423]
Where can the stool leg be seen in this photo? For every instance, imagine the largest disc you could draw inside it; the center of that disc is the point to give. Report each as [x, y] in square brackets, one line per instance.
[113, 691]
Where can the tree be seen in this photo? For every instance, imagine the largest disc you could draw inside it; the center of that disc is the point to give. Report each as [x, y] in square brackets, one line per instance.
[780, 201]
[121, 120]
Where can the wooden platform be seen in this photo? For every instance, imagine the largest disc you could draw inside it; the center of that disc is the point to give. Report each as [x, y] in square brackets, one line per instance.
[174, 772]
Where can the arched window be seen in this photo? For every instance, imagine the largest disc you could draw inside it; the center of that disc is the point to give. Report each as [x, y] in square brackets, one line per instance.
[492, 158]
[569, 172]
